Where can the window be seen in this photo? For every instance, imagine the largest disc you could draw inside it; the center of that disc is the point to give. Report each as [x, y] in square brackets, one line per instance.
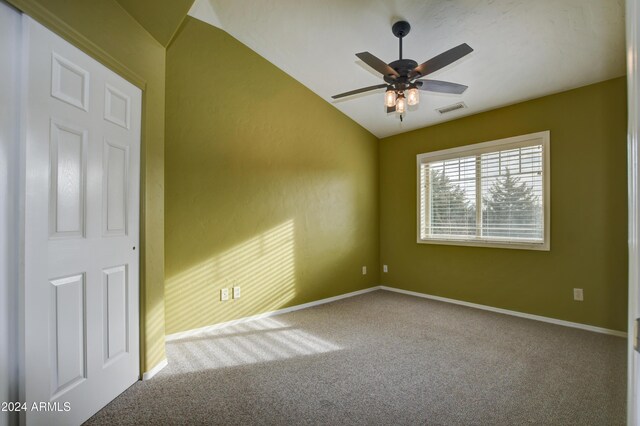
[493, 194]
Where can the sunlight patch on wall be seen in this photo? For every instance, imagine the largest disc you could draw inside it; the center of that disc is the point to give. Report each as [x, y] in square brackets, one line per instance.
[154, 349]
[264, 268]
[262, 340]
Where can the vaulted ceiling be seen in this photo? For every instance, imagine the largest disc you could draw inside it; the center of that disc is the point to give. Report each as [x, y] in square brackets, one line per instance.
[523, 49]
[161, 18]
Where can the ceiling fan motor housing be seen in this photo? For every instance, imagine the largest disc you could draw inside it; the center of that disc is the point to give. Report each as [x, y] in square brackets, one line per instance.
[403, 67]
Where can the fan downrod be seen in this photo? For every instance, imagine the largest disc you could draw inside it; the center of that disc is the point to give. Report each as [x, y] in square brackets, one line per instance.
[400, 29]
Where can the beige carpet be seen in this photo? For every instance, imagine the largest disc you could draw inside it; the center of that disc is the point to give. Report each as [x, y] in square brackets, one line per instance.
[380, 359]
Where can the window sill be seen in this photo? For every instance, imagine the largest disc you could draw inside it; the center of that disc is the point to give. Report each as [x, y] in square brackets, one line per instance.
[544, 246]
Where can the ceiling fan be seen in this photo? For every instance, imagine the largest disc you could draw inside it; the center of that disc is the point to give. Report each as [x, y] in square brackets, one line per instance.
[404, 75]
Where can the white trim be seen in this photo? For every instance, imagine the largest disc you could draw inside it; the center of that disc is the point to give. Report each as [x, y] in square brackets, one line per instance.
[10, 50]
[526, 245]
[521, 141]
[197, 331]
[508, 312]
[148, 375]
[540, 138]
[22, 230]
[633, 95]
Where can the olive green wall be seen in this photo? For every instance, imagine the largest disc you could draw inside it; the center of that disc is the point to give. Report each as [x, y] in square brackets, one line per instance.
[104, 30]
[267, 186]
[588, 212]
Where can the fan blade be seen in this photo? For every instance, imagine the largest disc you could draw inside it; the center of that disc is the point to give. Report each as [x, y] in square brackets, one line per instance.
[441, 61]
[377, 64]
[355, 92]
[391, 109]
[441, 86]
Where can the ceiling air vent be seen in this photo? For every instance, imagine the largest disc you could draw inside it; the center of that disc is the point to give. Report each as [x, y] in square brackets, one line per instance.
[451, 108]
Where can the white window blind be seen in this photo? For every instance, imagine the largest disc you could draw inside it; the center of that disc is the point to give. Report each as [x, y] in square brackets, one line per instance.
[493, 193]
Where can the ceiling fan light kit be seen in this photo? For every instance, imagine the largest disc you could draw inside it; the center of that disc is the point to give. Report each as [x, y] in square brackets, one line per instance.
[401, 104]
[413, 96]
[404, 75]
[390, 98]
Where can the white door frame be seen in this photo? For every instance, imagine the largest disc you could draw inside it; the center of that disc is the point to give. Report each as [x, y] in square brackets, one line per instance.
[9, 132]
[633, 95]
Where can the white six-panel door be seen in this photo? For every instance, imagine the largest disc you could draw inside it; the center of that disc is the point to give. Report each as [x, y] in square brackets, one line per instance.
[81, 290]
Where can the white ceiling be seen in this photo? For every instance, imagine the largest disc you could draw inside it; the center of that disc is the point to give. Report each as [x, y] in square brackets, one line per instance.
[523, 49]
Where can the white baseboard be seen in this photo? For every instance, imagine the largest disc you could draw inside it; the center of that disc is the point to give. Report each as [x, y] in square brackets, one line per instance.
[508, 312]
[197, 331]
[148, 375]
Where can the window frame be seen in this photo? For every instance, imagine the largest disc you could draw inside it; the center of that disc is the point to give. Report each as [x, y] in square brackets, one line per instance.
[531, 139]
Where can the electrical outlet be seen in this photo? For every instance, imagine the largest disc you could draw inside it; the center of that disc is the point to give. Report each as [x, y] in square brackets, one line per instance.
[224, 294]
[385, 268]
[236, 292]
[364, 270]
[578, 294]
